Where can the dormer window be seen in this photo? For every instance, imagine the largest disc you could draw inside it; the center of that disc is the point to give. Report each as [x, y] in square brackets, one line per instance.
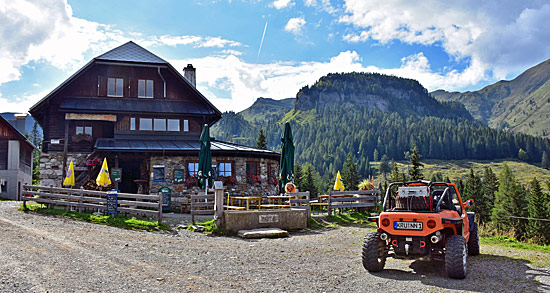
[114, 87]
[145, 88]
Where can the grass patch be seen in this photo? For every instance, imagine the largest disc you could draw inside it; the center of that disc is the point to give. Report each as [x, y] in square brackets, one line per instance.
[117, 221]
[337, 220]
[3, 199]
[511, 242]
[210, 227]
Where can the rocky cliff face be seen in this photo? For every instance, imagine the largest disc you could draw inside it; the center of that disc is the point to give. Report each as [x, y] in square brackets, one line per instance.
[385, 93]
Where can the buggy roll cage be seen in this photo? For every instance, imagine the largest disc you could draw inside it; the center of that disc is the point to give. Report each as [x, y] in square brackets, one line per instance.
[425, 182]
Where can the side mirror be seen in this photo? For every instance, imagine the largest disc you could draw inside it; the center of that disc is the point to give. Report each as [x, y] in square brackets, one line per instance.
[468, 203]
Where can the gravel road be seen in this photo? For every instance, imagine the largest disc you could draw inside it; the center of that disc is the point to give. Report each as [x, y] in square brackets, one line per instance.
[40, 253]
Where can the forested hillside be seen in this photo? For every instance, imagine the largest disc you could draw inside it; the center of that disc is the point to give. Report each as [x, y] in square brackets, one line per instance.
[326, 132]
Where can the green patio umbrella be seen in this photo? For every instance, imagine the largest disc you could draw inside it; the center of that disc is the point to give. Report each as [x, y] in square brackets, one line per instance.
[204, 173]
[287, 158]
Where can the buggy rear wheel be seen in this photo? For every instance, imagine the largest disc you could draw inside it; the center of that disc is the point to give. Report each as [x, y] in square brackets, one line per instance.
[374, 252]
[456, 257]
[473, 242]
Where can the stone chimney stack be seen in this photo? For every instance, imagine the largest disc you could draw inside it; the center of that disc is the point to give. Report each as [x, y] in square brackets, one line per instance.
[190, 74]
[20, 122]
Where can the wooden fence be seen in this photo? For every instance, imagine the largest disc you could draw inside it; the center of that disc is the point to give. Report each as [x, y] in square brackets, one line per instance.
[136, 204]
[352, 199]
[201, 204]
[301, 201]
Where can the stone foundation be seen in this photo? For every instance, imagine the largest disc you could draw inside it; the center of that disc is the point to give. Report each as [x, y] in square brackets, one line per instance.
[51, 167]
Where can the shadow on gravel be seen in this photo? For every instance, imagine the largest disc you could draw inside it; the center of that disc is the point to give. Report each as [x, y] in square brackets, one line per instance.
[485, 273]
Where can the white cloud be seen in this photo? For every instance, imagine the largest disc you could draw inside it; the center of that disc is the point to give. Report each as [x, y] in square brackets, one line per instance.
[280, 4]
[196, 41]
[22, 104]
[499, 37]
[294, 25]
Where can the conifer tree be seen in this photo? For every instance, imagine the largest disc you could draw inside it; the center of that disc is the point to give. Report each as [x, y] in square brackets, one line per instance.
[385, 166]
[545, 161]
[538, 209]
[308, 181]
[298, 176]
[349, 174]
[415, 172]
[473, 189]
[395, 176]
[510, 201]
[261, 143]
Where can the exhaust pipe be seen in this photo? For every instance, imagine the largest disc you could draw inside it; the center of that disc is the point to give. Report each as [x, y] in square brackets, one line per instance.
[434, 239]
[384, 236]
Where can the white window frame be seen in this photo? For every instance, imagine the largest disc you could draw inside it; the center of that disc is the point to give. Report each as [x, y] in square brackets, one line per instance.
[159, 124]
[132, 123]
[117, 81]
[171, 123]
[146, 84]
[186, 125]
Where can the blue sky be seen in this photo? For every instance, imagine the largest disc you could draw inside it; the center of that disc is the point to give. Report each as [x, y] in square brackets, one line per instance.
[463, 45]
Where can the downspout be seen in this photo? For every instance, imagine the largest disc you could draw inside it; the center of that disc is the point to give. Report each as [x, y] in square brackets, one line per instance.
[163, 81]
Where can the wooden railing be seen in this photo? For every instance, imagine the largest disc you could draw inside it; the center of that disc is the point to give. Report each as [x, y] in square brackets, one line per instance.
[136, 204]
[300, 201]
[202, 204]
[352, 199]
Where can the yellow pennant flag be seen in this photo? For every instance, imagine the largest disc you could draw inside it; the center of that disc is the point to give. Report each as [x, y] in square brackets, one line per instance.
[69, 176]
[103, 178]
[338, 185]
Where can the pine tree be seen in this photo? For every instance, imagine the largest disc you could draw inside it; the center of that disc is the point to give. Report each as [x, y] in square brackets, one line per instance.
[509, 202]
[261, 143]
[349, 174]
[538, 209]
[395, 176]
[308, 181]
[298, 176]
[375, 155]
[385, 166]
[473, 189]
[415, 172]
[522, 155]
[490, 187]
[545, 161]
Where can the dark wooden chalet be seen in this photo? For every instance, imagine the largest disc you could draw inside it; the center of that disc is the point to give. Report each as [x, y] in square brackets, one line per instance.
[137, 110]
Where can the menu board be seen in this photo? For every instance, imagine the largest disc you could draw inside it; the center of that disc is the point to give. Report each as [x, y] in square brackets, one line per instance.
[116, 174]
[112, 202]
[178, 176]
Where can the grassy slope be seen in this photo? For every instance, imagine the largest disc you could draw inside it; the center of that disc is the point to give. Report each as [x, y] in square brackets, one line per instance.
[460, 169]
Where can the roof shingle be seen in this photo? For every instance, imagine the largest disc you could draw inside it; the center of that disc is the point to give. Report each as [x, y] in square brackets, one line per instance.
[131, 52]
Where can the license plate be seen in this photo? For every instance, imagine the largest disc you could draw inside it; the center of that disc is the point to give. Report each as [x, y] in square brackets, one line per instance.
[407, 225]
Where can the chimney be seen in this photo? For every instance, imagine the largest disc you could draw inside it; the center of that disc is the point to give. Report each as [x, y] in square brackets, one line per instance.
[20, 122]
[189, 74]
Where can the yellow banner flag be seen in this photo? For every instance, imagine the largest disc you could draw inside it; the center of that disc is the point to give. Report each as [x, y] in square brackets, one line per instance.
[103, 178]
[69, 176]
[338, 185]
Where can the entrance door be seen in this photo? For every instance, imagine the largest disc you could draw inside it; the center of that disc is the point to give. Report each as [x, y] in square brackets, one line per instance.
[130, 172]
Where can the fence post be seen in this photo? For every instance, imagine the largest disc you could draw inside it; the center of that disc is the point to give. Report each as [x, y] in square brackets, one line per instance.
[329, 202]
[80, 195]
[160, 208]
[218, 202]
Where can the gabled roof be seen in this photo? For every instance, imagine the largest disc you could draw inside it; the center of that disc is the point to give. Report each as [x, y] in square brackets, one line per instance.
[131, 52]
[17, 132]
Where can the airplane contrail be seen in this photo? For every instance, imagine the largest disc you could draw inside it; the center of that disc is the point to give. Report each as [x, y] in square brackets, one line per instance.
[261, 43]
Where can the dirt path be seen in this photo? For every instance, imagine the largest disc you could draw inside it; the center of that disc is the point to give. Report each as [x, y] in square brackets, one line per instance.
[41, 253]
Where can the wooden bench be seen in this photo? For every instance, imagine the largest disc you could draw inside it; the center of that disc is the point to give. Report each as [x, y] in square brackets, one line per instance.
[274, 206]
[234, 208]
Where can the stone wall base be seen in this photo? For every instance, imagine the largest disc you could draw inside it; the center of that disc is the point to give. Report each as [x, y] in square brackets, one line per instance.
[286, 219]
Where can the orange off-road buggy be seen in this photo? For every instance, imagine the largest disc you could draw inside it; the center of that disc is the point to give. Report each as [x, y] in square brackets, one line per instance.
[423, 220]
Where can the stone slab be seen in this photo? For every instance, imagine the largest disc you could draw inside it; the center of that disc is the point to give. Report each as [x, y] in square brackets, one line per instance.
[263, 233]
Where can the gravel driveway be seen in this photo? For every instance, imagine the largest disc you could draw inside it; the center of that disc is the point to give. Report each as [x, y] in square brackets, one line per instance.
[40, 253]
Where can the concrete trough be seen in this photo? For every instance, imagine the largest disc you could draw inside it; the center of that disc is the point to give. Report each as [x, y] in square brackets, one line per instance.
[286, 219]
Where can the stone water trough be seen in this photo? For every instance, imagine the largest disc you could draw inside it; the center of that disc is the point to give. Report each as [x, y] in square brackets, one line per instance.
[285, 219]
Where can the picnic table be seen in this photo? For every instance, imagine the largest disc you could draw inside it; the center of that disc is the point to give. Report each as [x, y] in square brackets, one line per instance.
[238, 201]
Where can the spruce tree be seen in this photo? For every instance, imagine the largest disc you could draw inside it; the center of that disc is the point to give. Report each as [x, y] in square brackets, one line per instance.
[545, 161]
[473, 189]
[415, 172]
[261, 143]
[538, 231]
[395, 176]
[510, 201]
[385, 166]
[298, 176]
[349, 174]
[308, 181]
